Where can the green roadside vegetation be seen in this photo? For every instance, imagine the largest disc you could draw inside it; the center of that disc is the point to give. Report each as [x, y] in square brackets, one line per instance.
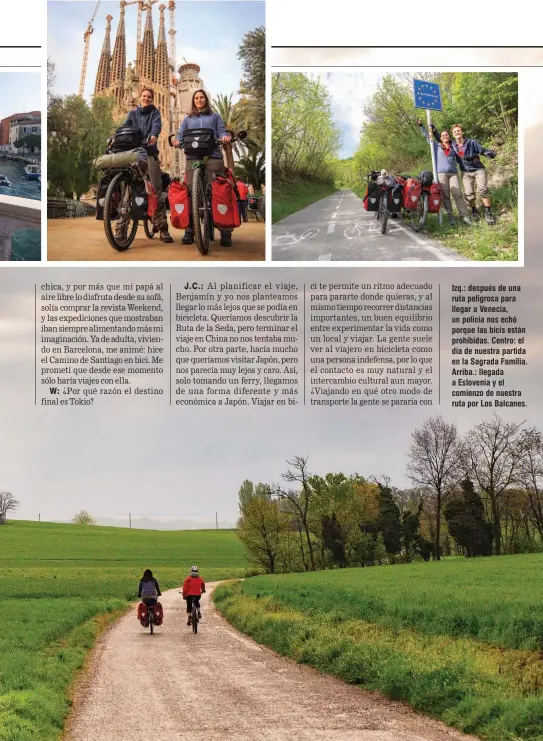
[290, 197]
[459, 640]
[305, 143]
[62, 584]
[486, 105]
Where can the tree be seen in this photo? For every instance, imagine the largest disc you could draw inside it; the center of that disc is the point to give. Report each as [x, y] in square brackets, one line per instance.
[30, 142]
[435, 461]
[389, 522]
[8, 503]
[467, 523]
[83, 518]
[531, 474]
[261, 529]
[299, 501]
[252, 107]
[245, 494]
[493, 457]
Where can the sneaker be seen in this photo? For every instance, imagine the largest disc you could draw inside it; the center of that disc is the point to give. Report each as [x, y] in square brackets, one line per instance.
[165, 236]
[188, 238]
[489, 216]
[199, 615]
[452, 220]
[475, 214]
[226, 241]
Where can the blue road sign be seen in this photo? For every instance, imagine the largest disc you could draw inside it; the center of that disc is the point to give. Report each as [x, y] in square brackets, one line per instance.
[427, 95]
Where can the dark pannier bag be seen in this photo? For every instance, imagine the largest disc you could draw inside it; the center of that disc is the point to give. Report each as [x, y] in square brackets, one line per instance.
[371, 199]
[125, 138]
[101, 197]
[139, 200]
[395, 198]
[198, 143]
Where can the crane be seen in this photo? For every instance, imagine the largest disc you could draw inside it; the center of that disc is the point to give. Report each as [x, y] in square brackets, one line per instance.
[86, 39]
[171, 33]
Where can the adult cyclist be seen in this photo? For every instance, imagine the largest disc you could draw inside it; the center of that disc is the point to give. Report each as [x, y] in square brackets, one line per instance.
[193, 588]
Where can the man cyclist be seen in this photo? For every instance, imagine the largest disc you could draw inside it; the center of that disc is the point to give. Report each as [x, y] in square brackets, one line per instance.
[193, 588]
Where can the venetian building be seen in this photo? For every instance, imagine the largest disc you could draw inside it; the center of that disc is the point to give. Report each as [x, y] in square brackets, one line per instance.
[152, 68]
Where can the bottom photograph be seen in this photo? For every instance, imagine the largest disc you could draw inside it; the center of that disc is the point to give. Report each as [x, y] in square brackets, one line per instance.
[265, 596]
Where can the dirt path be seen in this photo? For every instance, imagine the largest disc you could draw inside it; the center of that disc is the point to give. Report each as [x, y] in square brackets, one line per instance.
[221, 686]
[83, 238]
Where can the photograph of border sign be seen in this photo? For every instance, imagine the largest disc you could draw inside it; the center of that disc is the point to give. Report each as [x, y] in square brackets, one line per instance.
[395, 166]
[136, 138]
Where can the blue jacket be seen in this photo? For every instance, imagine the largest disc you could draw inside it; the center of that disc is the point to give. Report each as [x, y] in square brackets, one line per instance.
[472, 148]
[444, 163]
[149, 122]
[204, 121]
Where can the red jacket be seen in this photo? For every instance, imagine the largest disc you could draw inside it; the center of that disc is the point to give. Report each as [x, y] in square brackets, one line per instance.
[242, 190]
[193, 586]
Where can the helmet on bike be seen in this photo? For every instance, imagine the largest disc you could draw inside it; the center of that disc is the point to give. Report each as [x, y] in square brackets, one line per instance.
[194, 570]
[426, 178]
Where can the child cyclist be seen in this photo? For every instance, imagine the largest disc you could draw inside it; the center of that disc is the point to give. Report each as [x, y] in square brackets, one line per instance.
[193, 588]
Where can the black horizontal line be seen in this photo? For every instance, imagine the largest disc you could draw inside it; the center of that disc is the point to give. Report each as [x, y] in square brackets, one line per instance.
[20, 47]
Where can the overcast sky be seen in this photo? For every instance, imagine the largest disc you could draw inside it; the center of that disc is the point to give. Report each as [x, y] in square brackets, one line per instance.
[209, 33]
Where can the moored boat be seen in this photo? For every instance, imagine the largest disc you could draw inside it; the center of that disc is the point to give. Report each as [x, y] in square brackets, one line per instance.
[32, 172]
[4, 181]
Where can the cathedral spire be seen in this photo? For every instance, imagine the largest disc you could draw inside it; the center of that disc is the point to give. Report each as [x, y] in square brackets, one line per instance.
[103, 74]
[147, 71]
[162, 67]
[118, 62]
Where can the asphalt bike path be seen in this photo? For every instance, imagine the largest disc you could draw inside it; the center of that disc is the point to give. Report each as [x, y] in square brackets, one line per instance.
[218, 685]
[339, 228]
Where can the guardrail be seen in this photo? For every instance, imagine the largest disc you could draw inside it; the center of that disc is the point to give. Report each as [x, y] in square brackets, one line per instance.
[16, 213]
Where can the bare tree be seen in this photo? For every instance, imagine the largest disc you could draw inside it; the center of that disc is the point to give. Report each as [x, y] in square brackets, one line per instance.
[83, 518]
[8, 503]
[532, 477]
[435, 460]
[494, 453]
[300, 501]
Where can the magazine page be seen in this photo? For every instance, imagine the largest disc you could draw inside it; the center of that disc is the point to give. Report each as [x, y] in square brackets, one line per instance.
[270, 352]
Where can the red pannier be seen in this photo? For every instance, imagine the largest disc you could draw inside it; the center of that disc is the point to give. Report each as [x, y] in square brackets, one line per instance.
[179, 200]
[411, 193]
[224, 202]
[142, 613]
[152, 200]
[434, 198]
[159, 614]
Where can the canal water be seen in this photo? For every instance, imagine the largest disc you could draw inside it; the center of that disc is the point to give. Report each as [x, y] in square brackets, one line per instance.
[26, 243]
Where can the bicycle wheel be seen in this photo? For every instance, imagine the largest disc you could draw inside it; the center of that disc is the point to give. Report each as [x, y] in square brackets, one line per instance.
[211, 224]
[384, 211]
[194, 618]
[200, 211]
[148, 228]
[418, 217]
[151, 620]
[119, 199]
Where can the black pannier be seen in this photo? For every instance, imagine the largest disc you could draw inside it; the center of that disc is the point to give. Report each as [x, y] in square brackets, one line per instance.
[371, 199]
[125, 138]
[139, 200]
[395, 198]
[101, 197]
[198, 143]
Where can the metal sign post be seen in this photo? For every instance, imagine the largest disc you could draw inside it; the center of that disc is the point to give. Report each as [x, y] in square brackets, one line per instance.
[427, 95]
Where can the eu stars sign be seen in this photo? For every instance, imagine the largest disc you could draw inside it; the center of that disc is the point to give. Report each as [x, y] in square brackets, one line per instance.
[427, 95]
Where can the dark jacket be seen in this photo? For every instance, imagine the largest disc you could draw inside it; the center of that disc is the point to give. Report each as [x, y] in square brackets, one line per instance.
[148, 121]
[470, 159]
[154, 581]
[444, 163]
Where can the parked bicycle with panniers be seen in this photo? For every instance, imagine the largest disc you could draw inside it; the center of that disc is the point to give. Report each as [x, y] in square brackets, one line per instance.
[421, 197]
[383, 196]
[125, 194]
[211, 202]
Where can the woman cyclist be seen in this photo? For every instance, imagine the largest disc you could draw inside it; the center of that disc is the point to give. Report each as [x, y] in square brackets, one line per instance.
[146, 117]
[202, 117]
[193, 588]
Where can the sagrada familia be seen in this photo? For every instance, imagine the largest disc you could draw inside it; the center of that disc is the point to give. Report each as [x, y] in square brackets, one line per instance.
[173, 94]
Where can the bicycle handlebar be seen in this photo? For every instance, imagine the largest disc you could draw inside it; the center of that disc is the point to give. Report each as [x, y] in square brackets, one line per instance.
[240, 136]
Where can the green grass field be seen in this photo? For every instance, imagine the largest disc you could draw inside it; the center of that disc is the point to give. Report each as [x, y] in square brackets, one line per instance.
[61, 585]
[288, 198]
[461, 640]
